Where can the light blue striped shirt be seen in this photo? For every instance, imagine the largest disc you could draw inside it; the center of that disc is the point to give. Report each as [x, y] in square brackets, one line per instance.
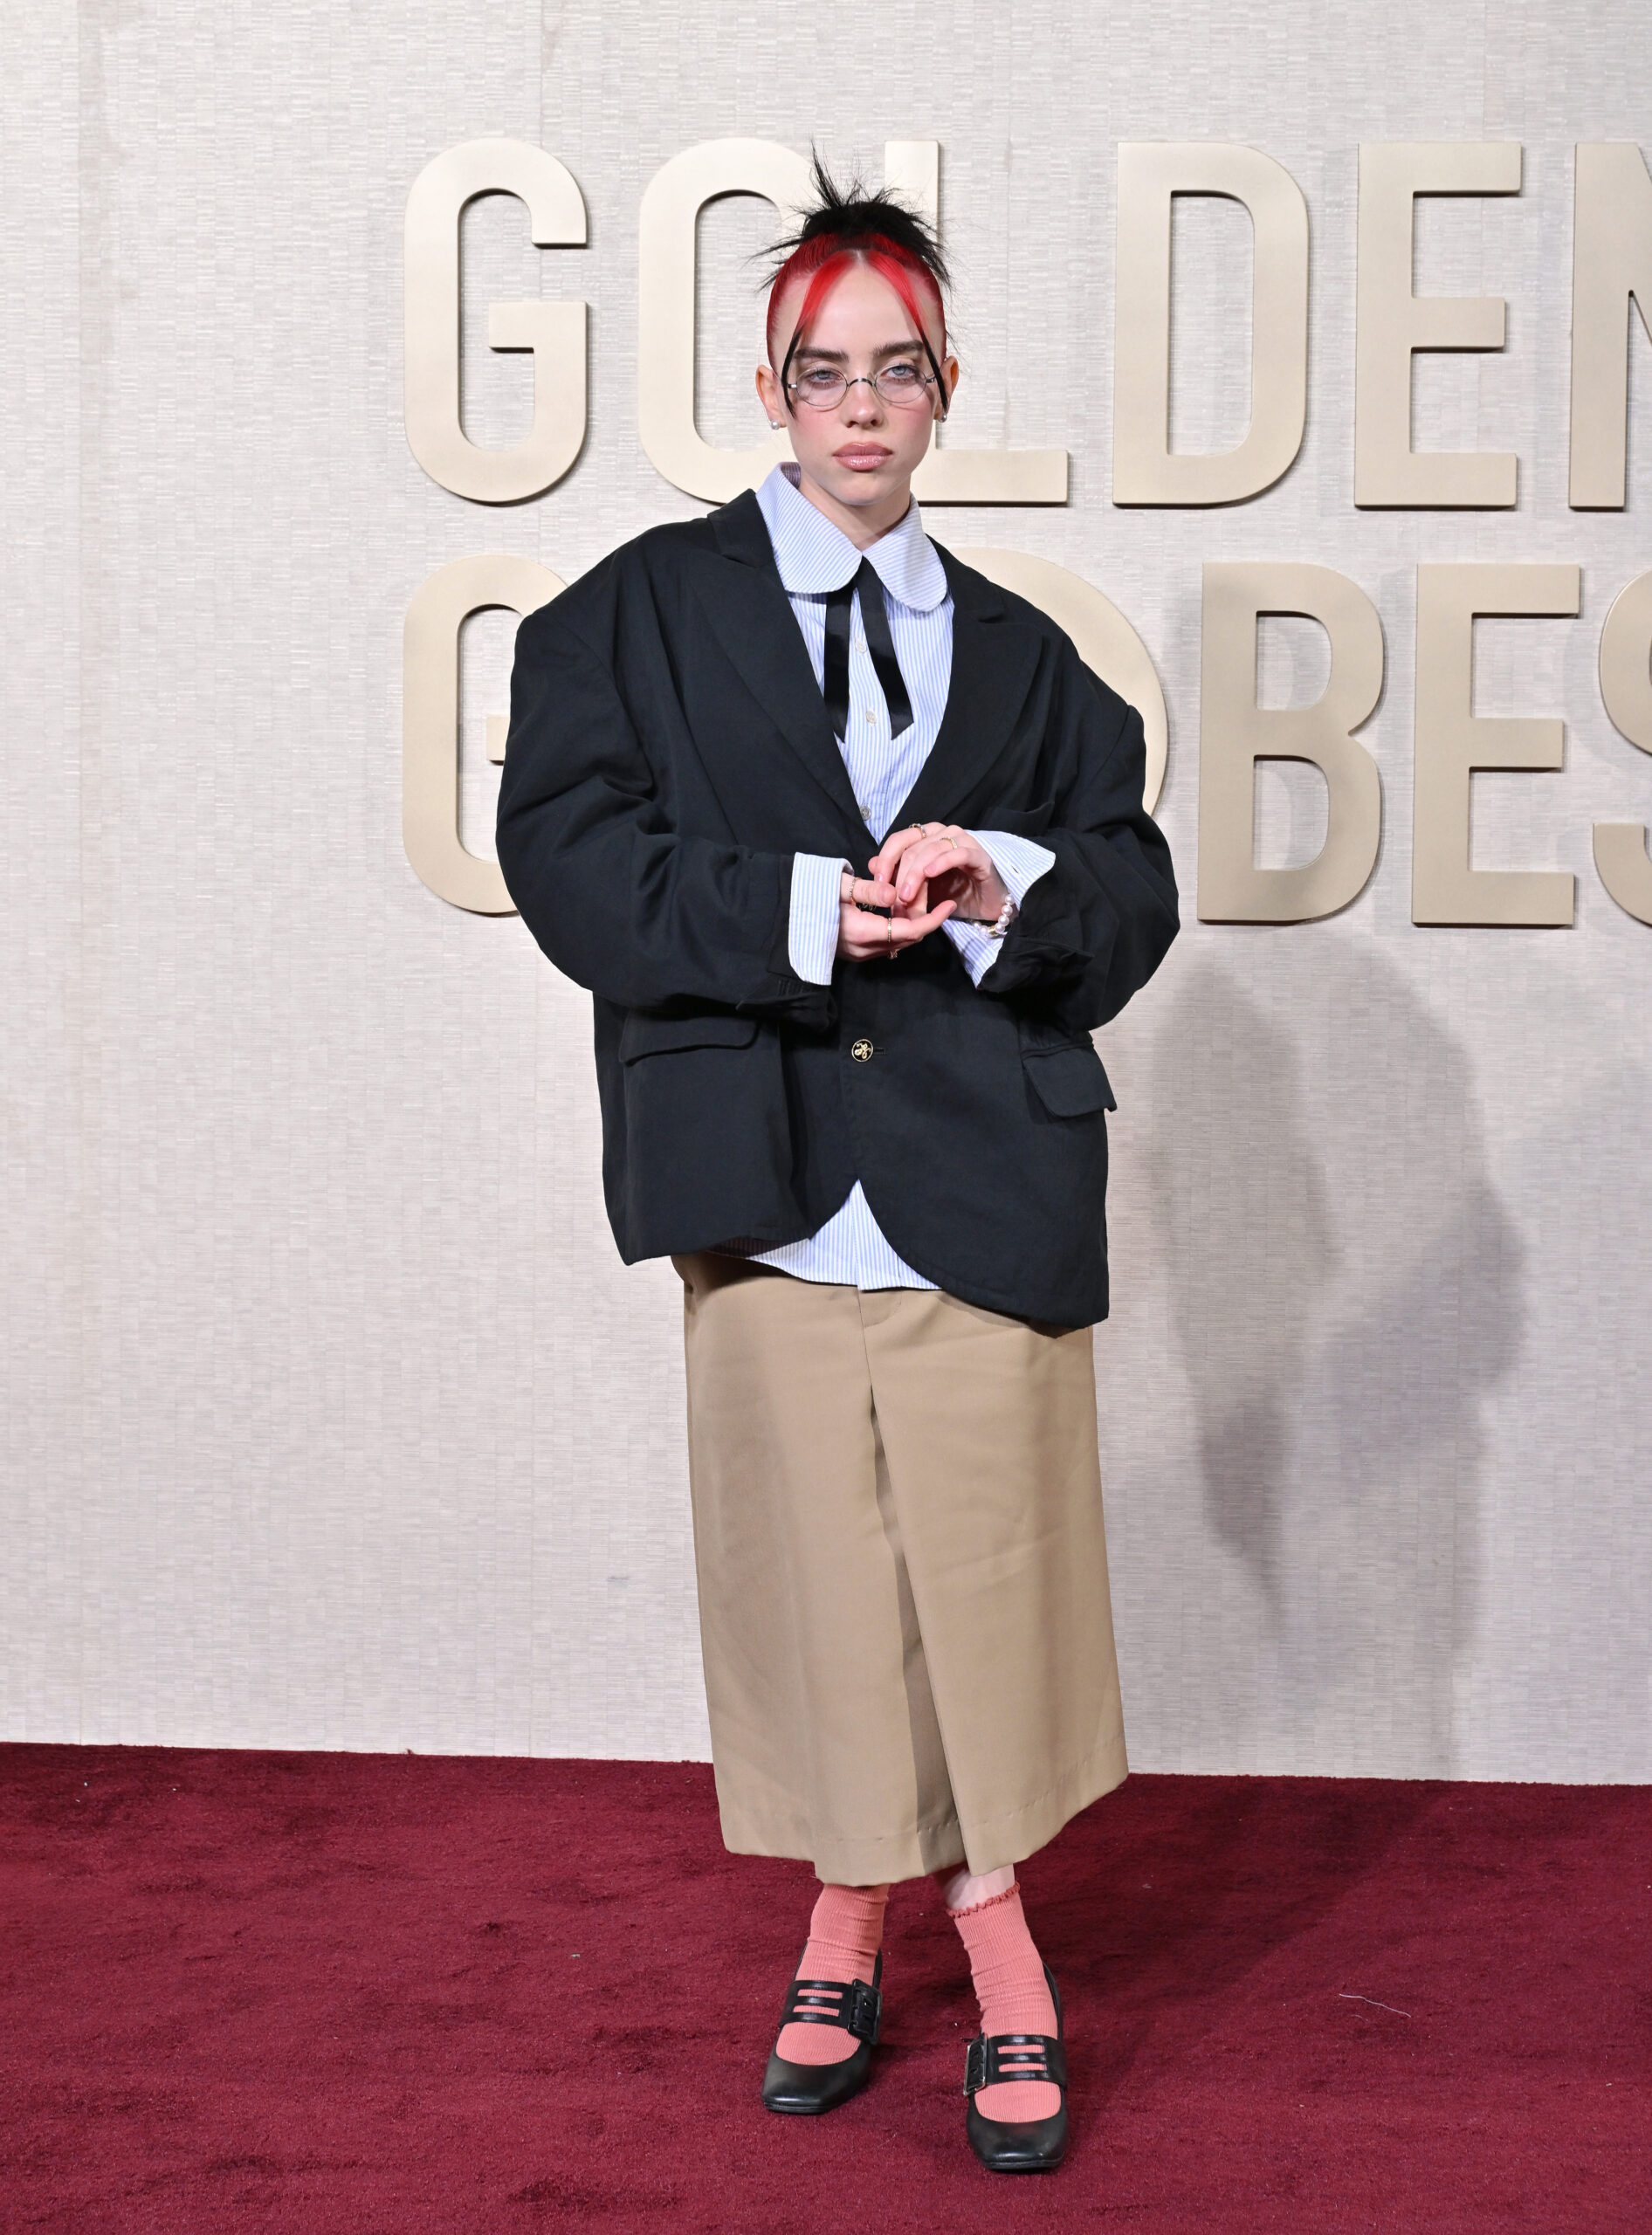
[814, 559]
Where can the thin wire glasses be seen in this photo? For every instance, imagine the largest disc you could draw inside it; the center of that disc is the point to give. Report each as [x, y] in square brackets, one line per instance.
[900, 385]
[823, 387]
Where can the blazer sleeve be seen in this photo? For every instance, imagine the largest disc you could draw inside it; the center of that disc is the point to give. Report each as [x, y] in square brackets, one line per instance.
[1092, 930]
[621, 901]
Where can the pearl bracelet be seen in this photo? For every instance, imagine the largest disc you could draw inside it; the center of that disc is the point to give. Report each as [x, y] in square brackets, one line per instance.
[1007, 916]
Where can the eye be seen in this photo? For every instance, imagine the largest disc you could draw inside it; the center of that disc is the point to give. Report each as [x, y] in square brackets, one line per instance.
[819, 380]
[901, 377]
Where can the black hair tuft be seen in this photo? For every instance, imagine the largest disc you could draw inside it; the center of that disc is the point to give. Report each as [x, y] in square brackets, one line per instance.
[853, 211]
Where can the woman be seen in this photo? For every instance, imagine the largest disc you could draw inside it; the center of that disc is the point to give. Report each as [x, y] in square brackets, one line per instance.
[848, 846]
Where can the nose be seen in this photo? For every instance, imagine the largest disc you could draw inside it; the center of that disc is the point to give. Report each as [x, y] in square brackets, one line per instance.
[862, 405]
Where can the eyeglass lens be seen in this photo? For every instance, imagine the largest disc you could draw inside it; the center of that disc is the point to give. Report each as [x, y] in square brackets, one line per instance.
[824, 387]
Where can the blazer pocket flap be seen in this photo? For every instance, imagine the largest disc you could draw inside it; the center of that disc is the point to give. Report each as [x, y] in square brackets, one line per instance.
[1070, 1080]
[643, 1033]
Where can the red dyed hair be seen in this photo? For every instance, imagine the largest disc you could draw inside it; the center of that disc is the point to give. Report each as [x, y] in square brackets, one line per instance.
[823, 261]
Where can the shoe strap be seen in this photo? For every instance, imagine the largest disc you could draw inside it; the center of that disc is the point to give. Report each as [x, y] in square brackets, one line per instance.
[848, 2004]
[997, 2059]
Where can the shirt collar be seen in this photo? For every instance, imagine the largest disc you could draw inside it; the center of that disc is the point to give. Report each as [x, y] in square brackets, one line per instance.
[814, 557]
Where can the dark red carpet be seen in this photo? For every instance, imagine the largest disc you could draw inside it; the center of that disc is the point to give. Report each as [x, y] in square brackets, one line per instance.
[382, 1995]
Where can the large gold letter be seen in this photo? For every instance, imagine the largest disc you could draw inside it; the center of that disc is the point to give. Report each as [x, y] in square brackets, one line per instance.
[1145, 469]
[1626, 686]
[950, 477]
[1452, 741]
[431, 719]
[1104, 640]
[554, 332]
[667, 253]
[667, 260]
[1235, 733]
[1392, 324]
[1611, 261]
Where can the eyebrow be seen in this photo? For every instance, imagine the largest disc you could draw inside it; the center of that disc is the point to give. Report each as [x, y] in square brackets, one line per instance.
[841, 356]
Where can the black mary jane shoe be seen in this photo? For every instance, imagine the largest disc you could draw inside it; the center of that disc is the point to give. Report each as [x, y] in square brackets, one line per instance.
[850, 2005]
[1018, 2145]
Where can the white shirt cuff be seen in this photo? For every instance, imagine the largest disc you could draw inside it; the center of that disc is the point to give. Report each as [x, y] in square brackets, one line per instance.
[811, 932]
[1020, 864]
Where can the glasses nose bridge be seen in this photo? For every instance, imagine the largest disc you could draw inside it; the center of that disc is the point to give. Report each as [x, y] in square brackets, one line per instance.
[874, 400]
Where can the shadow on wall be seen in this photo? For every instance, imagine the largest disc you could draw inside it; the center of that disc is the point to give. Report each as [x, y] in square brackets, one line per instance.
[1345, 1285]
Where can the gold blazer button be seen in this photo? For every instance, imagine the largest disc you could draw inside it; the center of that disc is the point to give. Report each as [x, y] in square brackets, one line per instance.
[862, 1051]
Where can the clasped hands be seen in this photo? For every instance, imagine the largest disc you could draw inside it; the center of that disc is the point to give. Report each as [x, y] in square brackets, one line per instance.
[922, 876]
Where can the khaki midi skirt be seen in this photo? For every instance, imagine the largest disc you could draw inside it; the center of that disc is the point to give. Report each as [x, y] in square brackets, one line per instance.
[902, 1573]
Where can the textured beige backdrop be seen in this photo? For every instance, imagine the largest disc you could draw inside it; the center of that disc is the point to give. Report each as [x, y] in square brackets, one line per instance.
[331, 1418]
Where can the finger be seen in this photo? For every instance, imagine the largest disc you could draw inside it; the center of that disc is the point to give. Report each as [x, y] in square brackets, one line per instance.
[935, 856]
[873, 938]
[908, 929]
[929, 858]
[867, 934]
[893, 846]
[871, 892]
[896, 842]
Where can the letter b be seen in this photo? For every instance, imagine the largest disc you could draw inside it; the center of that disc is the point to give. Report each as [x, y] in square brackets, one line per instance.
[1235, 733]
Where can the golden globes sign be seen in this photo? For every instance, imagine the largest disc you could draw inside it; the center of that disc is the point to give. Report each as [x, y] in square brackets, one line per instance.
[1611, 270]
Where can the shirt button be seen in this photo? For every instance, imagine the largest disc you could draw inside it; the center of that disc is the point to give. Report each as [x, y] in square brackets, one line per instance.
[870, 715]
[865, 812]
[862, 1051]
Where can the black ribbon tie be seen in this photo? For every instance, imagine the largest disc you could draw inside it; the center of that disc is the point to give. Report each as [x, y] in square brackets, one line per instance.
[875, 620]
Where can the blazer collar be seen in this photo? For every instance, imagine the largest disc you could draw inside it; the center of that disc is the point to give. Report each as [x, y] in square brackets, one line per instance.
[740, 532]
[753, 620]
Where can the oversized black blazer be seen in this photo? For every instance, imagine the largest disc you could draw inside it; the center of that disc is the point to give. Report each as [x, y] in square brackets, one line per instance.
[669, 752]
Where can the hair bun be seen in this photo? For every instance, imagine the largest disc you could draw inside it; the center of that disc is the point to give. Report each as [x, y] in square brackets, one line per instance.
[852, 213]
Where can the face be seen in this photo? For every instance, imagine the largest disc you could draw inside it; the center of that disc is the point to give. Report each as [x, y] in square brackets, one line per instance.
[861, 453]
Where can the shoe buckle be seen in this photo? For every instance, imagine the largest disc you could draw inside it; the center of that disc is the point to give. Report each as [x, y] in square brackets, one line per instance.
[999, 2059]
[863, 2009]
[849, 2003]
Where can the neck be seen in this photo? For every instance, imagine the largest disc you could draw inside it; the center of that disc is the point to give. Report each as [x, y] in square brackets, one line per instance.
[863, 524]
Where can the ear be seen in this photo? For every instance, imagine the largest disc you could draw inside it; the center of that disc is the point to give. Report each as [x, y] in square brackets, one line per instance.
[771, 395]
[949, 374]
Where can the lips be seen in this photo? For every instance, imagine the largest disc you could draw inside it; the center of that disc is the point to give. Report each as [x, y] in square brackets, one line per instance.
[862, 457]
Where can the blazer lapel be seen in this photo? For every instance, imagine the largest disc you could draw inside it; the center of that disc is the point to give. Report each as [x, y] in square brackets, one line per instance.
[741, 594]
[993, 661]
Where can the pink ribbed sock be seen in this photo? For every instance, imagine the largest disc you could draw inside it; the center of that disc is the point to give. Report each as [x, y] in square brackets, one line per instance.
[1010, 1986]
[844, 1935]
